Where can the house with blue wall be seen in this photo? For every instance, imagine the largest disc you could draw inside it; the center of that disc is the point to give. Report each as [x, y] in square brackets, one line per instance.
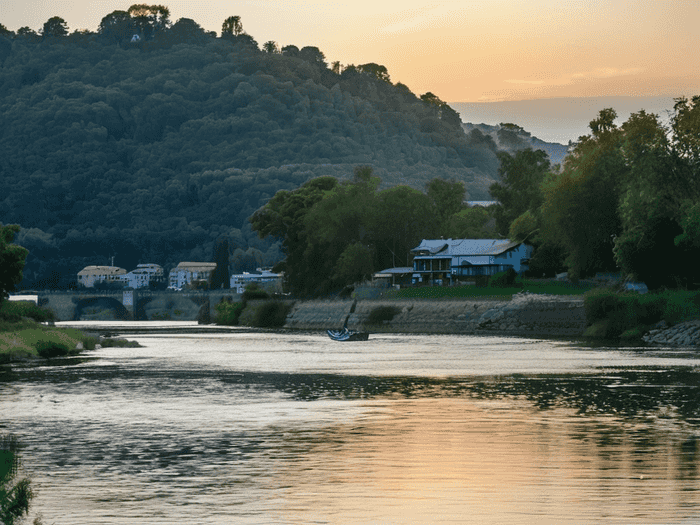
[446, 261]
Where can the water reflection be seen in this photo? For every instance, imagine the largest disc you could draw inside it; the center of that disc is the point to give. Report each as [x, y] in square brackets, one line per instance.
[270, 429]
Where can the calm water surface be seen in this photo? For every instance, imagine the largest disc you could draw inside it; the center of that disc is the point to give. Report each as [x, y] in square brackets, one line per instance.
[267, 428]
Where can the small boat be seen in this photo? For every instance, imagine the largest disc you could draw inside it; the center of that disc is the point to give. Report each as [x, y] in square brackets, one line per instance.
[347, 335]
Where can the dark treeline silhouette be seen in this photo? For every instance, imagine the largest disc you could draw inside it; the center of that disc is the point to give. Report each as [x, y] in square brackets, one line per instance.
[150, 140]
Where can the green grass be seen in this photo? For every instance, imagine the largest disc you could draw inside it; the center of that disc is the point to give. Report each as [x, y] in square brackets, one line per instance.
[466, 292]
[25, 338]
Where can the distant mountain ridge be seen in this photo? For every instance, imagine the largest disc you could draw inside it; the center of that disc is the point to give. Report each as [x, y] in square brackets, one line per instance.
[511, 137]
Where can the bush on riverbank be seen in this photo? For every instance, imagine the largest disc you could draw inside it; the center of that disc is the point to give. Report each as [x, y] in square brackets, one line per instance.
[14, 311]
[382, 313]
[611, 315]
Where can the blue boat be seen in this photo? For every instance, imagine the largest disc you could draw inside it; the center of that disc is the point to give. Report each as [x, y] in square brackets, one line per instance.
[347, 335]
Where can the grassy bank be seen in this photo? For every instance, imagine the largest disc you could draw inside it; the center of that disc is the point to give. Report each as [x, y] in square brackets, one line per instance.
[504, 292]
[628, 316]
[23, 334]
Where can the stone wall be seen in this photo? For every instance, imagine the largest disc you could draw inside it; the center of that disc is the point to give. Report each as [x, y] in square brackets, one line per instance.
[525, 314]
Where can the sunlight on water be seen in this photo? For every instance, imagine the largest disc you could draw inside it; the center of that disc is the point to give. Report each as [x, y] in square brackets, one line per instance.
[278, 428]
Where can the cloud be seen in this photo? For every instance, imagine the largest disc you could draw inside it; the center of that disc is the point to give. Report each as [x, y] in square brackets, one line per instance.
[605, 72]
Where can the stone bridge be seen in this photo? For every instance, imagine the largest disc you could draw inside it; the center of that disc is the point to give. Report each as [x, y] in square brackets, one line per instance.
[132, 304]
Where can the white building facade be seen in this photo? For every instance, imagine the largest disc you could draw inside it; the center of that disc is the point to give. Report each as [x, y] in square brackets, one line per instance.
[187, 273]
[143, 276]
[91, 275]
[264, 278]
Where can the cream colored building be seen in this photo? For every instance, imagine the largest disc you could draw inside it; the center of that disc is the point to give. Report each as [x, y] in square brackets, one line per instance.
[143, 276]
[185, 273]
[90, 275]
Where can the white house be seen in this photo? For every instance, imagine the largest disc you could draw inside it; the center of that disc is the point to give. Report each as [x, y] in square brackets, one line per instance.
[91, 275]
[264, 278]
[143, 276]
[440, 261]
[186, 273]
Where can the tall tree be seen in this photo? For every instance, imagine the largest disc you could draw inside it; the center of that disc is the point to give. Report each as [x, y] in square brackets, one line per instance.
[231, 27]
[313, 55]
[376, 70]
[521, 175]
[54, 27]
[150, 19]
[220, 276]
[580, 210]
[117, 27]
[12, 258]
[447, 198]
[270, 47]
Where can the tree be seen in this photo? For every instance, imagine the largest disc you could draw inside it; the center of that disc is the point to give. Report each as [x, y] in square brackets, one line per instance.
[313, 55]
[15, 496]
[231, 27]
[220, 275]
[447, 198]
[290, 51]
[336, 67]
[580, 210]
[521, 175]
[12, 258]
[4, 31]
[117, 27]
[378, 71]
[54, 27]
[186, 30]
[150, 19]
[653, 205]
[270, 47]
[284, 216]
[26, 32]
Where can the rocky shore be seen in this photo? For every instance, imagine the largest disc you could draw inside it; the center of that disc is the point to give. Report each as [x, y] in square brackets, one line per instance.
[682, 334]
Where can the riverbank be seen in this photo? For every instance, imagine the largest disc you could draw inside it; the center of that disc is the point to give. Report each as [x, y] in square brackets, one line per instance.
[526, 314]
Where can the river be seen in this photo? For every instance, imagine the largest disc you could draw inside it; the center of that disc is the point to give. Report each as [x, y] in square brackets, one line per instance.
[278, 428]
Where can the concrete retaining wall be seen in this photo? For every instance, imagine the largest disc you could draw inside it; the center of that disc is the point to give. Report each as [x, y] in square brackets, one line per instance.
[525, 314]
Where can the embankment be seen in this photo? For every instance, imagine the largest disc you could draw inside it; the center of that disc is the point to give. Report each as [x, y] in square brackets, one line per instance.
[526, 314]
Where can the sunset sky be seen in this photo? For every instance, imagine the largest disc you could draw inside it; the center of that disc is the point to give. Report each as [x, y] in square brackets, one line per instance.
[463, 51]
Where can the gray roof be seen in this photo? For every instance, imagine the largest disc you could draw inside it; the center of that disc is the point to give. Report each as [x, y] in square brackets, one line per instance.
[399, 270]
[457, 247]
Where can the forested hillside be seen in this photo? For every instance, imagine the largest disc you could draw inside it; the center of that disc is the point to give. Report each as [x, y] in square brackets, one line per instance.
[150, 151]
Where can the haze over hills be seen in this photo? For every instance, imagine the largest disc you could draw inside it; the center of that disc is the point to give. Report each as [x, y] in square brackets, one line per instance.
[560, 119]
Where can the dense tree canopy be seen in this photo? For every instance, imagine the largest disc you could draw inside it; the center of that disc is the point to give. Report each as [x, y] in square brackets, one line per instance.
[336, 234]
[150, 151]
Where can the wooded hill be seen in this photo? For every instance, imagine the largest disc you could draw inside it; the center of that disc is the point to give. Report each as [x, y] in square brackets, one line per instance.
[151, 151]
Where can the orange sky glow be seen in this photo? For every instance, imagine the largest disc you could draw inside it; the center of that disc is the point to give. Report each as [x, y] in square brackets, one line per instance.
[463, 51]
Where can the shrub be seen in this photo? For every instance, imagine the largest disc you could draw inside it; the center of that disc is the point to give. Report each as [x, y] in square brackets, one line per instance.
[382, 313]
[228, 313]
[271, 314]
[14, 311]
[504, 279]
[49, 349]
[253, 291]
[681, 306]
[600, 304]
